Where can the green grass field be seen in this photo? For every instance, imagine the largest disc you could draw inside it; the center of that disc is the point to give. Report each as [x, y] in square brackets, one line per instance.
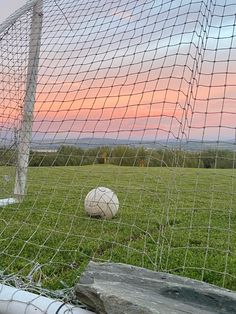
[170, 219]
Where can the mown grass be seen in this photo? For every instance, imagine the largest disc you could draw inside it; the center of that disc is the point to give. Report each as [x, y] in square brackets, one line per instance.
[170, 219]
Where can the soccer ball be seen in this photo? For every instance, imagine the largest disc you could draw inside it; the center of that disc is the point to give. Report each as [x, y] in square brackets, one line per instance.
[101, 202]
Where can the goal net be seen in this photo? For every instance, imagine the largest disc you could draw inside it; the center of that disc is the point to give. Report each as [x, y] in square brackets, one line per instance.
[135, 96]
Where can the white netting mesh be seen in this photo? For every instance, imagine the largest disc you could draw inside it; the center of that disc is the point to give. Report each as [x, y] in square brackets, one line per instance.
[136, 96]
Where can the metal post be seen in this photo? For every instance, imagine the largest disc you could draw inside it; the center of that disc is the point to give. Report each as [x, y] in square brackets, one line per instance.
[28, 106]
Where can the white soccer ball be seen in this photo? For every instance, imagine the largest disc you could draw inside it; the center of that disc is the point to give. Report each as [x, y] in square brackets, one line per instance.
[101, 202]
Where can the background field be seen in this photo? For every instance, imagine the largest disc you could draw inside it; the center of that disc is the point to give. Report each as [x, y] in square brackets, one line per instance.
[178, 220]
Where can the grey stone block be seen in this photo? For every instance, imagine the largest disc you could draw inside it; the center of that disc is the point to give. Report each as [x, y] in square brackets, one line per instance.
[119, 288]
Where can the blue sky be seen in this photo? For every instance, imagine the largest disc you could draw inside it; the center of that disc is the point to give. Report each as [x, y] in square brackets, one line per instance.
[8, 7]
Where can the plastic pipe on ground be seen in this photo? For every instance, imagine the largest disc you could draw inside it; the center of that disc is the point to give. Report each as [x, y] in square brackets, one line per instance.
[15, 301]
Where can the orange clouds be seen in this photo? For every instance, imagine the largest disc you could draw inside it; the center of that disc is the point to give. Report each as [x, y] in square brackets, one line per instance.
[138, 103]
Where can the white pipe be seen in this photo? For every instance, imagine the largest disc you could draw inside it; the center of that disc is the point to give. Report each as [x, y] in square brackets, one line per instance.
[7, 201]
[29, 101]
[16, 15]
[15, 301]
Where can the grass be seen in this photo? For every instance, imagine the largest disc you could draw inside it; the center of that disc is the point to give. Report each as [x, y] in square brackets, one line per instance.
[170, 219]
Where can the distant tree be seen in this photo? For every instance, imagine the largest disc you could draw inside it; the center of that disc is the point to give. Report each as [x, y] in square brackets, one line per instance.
[103, 155]
[225, 159]
[208, 158]
[126, 156]
[141, 157]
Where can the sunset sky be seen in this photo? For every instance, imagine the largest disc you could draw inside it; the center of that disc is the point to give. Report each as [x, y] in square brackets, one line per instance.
[156, 70]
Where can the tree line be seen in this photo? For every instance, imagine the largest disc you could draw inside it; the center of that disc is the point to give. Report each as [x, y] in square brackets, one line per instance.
[134, 156]
[125, 156]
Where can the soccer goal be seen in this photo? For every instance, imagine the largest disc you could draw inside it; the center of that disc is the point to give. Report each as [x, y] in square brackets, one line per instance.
[132, 97]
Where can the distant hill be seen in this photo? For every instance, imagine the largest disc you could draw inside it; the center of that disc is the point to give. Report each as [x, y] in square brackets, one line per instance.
[87, 143]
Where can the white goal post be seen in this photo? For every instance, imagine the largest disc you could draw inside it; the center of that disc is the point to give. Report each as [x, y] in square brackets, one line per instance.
[28, 104]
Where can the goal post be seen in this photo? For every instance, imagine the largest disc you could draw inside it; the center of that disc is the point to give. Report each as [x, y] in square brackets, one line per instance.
[5, 25]
[23, 145]
[23, 138]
